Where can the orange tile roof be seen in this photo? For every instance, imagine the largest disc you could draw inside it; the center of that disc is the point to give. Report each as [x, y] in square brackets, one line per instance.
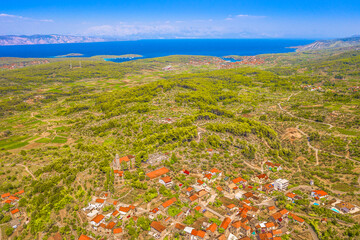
[157, 173]
[236, 224]
[262, 176]
[320, 192]
[219, 189]
[99, 200]
[271, 208]
[284, 211]
[179, 226]
[201, 234]
[276, 231]
[124, 159]
[268, 186]
[277, 238]
[5, 195]
[225, 223]
[290, 195]
[84, 237]
[116, 212]
[222, 237]
[124, 209]
[230, 206]
[245, 238]
[189, 189]
[208, 176]
[269, 224]
[193, 197]
[12, 198]
[197, 208]
[239, 179]
[169, 202]
[276, 215]
[117, 230]
[157, 226]
[166, 179]
[19, 192]
[15, 211]
[215, 170]
[194, 232]
[200, 182]
[212, 227]
[296, 218]
[111, 225]
[115, 202]
[98, 218]
[155, 210]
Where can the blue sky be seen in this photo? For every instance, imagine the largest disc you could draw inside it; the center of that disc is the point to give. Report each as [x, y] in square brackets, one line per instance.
[134, 19]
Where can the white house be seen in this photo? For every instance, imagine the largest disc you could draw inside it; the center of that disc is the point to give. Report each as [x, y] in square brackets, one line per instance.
[166, 181]
[281, 184]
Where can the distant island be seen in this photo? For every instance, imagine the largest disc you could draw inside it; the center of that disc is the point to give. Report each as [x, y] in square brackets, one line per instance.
[329, 44]
[71, 55]
[9, 40]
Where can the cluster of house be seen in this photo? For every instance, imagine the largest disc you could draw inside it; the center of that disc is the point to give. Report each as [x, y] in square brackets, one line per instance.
[107, 222]
[22, 64]
[241, 220]
[12, 199]
[312, 88]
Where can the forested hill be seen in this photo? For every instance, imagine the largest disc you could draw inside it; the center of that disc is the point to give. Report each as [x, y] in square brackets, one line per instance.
[335, 43]
[61, 127]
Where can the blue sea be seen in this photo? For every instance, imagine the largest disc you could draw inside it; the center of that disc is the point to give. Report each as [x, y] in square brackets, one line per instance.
[158, 48]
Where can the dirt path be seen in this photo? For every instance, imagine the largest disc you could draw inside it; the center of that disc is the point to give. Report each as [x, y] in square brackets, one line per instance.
[304, 119]
[27, 169]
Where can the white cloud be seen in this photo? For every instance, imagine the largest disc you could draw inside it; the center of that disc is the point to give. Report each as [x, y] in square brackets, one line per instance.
[248, 16]
[10, 16]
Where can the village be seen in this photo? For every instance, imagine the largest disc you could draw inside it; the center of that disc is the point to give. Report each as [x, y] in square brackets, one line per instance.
[212, 207]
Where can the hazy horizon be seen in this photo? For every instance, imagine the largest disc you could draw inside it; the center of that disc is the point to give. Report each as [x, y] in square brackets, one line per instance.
[183, 19]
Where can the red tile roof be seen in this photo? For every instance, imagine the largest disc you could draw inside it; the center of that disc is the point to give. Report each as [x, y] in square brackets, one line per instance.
[157, 226]
[117, 230]
[19, 192]
[111, 225]
[15, 211]
[239, 179]
[157, 173]
[212, 227]
[225, 223]
[269, 224]
[231, 206]
[124, 209]
[201, 234]
[5, 195]
[290, 195]
[98, 218]
[84, 237]
[271, 208]
[320, 193]
[197, 208]
[215, 170]
[169, 202]
[193, 197]
[166, 179]
[179, 226]
[296, 218]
